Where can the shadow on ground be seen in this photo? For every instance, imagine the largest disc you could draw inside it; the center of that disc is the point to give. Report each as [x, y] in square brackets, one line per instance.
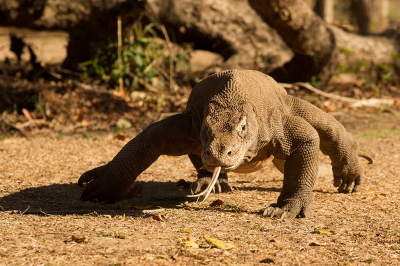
[63, 199]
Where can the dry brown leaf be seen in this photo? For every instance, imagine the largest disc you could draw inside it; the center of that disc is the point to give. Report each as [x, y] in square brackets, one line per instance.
[359, 82]
[160, 218]
[217, 202]
[369, 191]
[316, 244]
[267, 260]
[185, 230]
[27, 114]
[120, 136]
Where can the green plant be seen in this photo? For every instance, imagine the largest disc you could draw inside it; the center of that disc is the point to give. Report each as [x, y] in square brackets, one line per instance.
[314, 82]
[346, 50]
[140, 57]
[120, 129]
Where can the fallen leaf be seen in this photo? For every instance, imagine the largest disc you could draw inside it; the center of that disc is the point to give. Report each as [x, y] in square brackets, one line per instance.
[219, 243]
[160, 218]
[185, 230]
[316, 244]
[134, 191]
[267, 260]
[27, 114]
[369, 191]
[323, 232]
[359, 83]
[383, 194]
[120, 136]
[217, 202]
[190, 242]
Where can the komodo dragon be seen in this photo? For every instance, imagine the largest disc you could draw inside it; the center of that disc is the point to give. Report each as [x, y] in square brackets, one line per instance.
[237, 120]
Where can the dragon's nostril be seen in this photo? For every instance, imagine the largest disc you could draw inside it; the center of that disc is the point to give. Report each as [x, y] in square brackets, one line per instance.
[229, 153]
[208, 153]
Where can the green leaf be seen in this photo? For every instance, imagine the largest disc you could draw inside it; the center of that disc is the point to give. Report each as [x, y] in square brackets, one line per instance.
[219, 243]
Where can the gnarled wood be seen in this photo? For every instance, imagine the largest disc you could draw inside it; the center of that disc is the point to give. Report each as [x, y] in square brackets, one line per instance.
[322, 50]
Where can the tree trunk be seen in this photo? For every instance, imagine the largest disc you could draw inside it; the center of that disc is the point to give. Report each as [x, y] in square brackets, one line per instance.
[49, 14]
[372, 15]
[325, 9]
[322, 50]
[233, 30]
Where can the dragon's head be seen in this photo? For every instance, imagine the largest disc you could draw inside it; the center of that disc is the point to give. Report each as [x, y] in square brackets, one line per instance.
[227, 134]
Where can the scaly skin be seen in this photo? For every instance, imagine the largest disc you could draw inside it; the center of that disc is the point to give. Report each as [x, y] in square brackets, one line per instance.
[238, 119]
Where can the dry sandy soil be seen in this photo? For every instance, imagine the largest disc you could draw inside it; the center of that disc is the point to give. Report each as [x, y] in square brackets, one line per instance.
[42, 221]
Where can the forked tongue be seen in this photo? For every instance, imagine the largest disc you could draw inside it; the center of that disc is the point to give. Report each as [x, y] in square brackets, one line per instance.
[210, 186]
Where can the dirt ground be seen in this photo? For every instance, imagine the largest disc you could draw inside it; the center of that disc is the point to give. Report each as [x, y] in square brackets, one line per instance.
[42, 221]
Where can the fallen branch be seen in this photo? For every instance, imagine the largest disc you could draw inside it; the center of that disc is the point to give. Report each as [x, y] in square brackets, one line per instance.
[4, 120]
[313, 89]
[372, 102]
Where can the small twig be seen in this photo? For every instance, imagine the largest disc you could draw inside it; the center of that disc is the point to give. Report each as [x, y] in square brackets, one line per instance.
[26, 209]
[88, 87]
[158, 24]
[119, 32]
[171, 62]
[144, 83]
[66, 71]
[33, 122]
[47, 214]
[150, 66]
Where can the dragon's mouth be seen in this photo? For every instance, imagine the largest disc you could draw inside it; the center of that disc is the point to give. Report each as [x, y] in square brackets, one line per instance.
[223, 168]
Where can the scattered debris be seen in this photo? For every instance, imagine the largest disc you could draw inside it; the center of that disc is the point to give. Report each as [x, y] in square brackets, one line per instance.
[190, 242]
[77, 239]
[323, 232]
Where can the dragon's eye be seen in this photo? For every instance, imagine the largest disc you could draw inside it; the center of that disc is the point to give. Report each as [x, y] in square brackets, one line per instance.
[243, 127]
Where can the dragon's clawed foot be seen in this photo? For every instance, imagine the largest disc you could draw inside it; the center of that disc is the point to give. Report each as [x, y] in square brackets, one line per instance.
[285, 212]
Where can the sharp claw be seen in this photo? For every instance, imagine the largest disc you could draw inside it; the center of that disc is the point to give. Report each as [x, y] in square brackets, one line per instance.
[337, 181]
[341, 189]
[355, 189]
[267, 211]
[273, 212]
